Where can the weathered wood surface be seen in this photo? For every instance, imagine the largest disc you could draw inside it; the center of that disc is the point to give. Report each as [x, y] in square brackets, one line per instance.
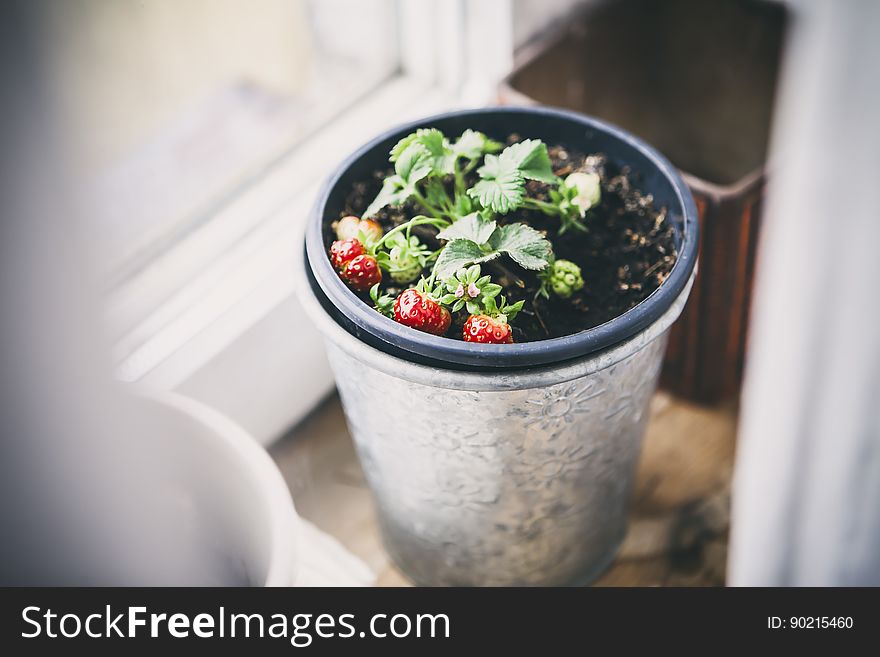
[679, 518]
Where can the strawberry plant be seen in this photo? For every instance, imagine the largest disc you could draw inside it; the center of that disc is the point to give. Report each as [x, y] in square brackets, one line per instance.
[468, 223]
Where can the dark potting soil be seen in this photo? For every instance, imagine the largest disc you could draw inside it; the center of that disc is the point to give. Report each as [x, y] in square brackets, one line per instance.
[626, 253]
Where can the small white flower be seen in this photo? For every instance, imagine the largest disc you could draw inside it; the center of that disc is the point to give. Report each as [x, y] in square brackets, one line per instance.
[473, 291]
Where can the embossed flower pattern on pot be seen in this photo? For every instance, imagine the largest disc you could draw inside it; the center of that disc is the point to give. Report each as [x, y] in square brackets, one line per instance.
[562, 404]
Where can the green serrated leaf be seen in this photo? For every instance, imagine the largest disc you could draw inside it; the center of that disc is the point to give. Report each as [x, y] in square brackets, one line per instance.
[413, 164]
[531, 159]
[526, 247]
[442, 156]
[474, 308]
[499, 190]
[456, 254]
[402, 145]
[472, 227]
[435, 143]
[472, 144]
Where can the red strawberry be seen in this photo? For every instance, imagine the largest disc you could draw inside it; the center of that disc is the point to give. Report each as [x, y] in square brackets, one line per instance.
[416, 310]
[361, 273]
[488, 330]
[343, 251]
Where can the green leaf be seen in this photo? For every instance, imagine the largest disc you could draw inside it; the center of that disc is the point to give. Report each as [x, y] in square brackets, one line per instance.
[436, 145]
[458, 305]
[527, 247]
[472, 227]
[473, 144]
[393, 192]
[531, 159]
[491, 290]
[402, 145]
[441, 154]
[456, 254]
[501, 188]
[435, 193]
[512, 310]
[474, 308]
[463, 205]
[383, 303]
[502, 184]
[413, 164]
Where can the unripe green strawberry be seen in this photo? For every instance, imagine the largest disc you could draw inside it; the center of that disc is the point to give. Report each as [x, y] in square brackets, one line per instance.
[565, 278]
[405, 258]
[405, 267]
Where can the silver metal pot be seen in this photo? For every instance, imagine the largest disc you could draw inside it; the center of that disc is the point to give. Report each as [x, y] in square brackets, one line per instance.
[498, 478]
[500, 464]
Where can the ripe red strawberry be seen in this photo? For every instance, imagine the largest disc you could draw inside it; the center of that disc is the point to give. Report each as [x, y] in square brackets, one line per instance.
[488, 330]
[343, 251]
[361, 273]
[417, 310]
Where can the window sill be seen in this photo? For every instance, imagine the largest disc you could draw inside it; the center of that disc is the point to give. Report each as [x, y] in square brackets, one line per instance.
[216, 317]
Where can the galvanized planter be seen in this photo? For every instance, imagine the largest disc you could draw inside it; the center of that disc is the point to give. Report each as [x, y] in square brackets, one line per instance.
[500, 464]
[525, 480]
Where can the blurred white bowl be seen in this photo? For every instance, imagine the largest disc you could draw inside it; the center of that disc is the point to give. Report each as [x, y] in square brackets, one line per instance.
[225, 509]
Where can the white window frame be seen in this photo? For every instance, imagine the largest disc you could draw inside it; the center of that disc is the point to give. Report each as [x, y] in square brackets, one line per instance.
[216, 315]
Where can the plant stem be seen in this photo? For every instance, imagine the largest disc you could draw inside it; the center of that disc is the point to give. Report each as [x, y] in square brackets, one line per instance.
[424, 203]
[416, 221]
[543, 206]
[459, 178]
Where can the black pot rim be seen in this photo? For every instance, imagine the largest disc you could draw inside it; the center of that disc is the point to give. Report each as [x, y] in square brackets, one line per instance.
[401, 339]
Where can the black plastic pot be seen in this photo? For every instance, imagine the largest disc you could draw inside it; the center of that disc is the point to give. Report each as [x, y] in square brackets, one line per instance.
[651, 171]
